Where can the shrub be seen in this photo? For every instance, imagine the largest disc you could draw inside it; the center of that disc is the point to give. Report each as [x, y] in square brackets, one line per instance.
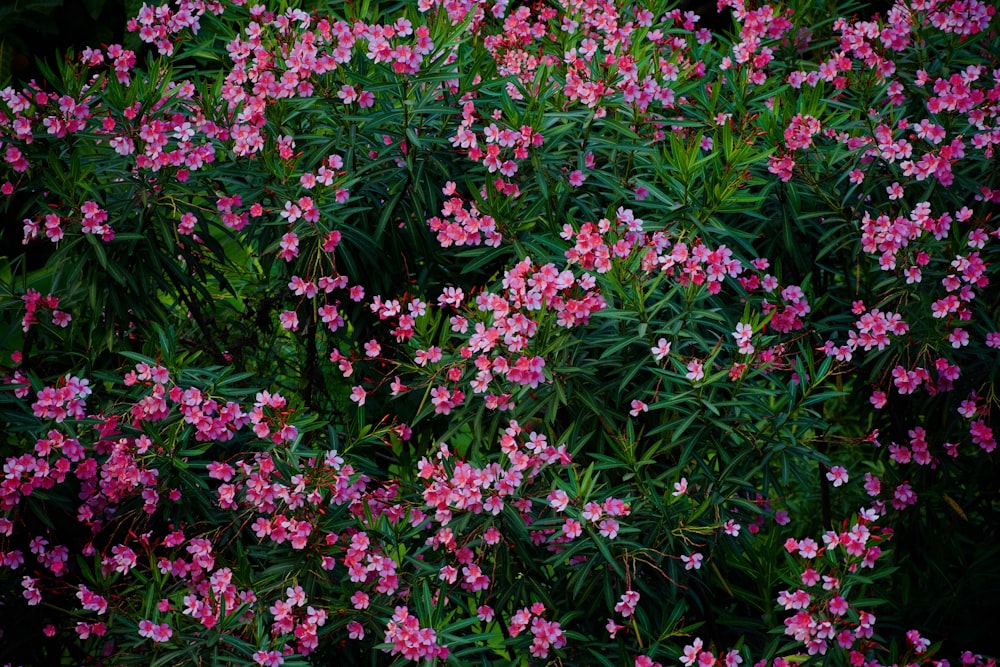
[473, 333]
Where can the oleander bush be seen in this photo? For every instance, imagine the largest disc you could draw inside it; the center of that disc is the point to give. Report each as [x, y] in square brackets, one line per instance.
[570, 332]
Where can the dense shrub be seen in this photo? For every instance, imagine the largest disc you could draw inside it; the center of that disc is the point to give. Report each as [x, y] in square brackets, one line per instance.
[474, 333]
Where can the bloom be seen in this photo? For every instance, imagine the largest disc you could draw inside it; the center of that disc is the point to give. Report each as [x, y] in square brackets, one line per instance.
[837, 475]
[358, 394]
[626, 606]
[661, 349]
[158, 632]
[692, 562]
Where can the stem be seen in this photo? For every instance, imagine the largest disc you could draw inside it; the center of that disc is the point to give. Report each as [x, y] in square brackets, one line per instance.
[824, 495]
[311, 362]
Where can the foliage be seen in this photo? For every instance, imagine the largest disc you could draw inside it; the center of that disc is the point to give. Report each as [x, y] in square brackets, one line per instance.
[468, 333]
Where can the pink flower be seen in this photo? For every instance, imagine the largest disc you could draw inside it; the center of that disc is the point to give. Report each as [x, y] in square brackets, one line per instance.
[958, 338]
[609, 528]
[347, 93]
[268, 658]
[160, 632]
[808, 548]
[186, 224]
[878, 399]
[289, 320]
[62, 319]
[558, 499]
[289, 247]
[837, 475]
[592, 512]
[355, 630]
[691, 652]
[692, 562]
[838, 606]
[626, 606]
[358, 394]
[31, 593]
[360, 600]
[661, 349]
[919, 644]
